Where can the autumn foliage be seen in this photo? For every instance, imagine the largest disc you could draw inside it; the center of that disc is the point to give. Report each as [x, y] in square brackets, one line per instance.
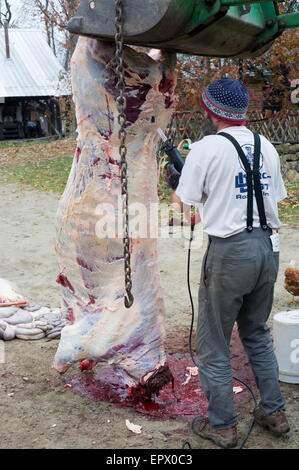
[55, 15]
[278, 66]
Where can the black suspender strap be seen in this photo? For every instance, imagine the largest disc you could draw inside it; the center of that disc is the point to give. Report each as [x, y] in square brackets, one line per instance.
[252, 179]
[257, 182]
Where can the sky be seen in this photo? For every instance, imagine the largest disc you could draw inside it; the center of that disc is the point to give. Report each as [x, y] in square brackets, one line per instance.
[24, 16]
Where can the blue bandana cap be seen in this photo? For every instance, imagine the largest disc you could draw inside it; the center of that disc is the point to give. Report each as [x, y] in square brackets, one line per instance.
[226, 99]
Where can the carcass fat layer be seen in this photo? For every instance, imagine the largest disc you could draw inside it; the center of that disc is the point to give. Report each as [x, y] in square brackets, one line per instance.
[100, 329]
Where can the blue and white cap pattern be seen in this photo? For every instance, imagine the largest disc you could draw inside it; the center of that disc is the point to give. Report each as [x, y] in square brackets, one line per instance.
[227, 99]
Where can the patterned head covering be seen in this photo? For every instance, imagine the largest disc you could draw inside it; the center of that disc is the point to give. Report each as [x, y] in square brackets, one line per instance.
[227, 100]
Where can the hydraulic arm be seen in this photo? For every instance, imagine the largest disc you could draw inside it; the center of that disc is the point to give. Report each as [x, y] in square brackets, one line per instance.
[219, 28]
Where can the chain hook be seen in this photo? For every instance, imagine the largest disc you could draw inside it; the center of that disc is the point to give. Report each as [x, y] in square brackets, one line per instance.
[129, 300]
[121, 104]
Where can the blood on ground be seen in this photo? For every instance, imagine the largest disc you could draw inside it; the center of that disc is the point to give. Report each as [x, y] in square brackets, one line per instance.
[182, 401]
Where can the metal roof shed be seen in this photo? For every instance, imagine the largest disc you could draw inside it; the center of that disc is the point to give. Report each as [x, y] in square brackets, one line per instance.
[29, 73]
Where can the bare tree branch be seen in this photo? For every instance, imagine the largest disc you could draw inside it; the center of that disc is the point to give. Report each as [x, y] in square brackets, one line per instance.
[55, 15]
[6, 17]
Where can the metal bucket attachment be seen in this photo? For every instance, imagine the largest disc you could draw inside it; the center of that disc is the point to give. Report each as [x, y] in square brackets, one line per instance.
[219, 28]
[144, 21]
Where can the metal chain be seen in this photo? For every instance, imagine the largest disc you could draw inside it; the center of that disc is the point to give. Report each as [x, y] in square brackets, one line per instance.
[121, 103]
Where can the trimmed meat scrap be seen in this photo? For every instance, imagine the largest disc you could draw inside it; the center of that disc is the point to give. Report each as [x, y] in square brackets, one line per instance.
[100, 330]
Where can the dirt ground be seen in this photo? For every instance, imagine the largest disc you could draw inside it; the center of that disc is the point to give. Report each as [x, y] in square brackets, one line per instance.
[36, 410]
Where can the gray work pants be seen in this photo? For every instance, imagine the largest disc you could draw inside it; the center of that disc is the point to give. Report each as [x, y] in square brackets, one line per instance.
[237, 285]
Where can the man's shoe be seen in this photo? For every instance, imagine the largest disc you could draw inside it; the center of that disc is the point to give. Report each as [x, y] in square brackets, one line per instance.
[276, 422]
[225, 438]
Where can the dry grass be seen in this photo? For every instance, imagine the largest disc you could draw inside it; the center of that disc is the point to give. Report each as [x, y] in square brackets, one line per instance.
[46, 166]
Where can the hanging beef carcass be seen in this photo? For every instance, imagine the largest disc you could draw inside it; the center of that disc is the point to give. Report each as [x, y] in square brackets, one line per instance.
[100, 330]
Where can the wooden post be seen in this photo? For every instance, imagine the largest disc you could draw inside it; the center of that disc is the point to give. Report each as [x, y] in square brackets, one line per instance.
[6, 39]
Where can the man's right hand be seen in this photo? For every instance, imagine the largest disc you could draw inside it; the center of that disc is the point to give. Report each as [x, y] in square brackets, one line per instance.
[171, 176]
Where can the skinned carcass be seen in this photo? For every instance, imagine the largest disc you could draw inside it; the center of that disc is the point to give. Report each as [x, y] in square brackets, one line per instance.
[100, 330]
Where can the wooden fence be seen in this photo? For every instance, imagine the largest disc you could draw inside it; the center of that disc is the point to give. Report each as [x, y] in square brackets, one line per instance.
[278, 128]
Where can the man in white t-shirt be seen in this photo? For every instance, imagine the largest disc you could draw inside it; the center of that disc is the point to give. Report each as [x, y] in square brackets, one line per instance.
[235, 177]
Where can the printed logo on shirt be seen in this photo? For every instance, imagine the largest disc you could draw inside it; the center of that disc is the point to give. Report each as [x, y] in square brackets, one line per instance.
[248, 150]
[241, 179]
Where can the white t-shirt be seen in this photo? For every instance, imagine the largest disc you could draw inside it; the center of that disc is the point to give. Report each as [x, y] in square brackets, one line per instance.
[214, 176]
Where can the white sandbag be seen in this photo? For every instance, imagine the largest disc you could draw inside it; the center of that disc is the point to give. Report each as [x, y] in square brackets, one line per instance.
[21, 316]
[30, 325]
[29, 332]
[6, 312]
[7, 332]
[31, 337]
[32, 308]
[54, 335]
[41, 312]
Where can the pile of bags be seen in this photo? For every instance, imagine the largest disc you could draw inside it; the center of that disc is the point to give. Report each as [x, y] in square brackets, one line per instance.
[20, 320]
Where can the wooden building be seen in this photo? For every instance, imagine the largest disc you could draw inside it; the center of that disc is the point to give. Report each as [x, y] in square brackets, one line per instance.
[33, 86]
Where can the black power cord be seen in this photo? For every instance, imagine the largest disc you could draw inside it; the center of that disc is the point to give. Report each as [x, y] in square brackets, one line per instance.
[190, 344]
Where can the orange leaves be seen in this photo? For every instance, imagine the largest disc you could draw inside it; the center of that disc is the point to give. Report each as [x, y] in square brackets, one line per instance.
[279, 65]
[14, 154]
[194, 73]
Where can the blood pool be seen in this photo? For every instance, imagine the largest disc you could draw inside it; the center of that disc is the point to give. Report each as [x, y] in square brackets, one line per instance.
[173, 401]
